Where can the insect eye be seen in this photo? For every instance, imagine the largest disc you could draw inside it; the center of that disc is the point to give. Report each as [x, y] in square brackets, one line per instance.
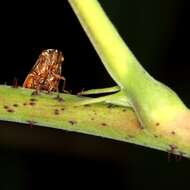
[49, 51]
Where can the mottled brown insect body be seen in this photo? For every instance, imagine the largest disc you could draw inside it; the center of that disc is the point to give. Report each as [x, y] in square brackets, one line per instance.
[46, 73]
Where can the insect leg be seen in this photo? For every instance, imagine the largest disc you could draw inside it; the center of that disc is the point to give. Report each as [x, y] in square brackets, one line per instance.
[59, 77]
[37, 84]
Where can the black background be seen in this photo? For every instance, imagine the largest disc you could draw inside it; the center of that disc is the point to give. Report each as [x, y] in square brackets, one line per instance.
[156, 31]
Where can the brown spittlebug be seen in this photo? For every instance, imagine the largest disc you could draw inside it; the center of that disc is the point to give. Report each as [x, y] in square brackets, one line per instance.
[46, 73]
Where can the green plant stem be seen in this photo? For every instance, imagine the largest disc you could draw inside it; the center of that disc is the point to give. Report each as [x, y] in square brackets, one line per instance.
[122, 65]
[158, 108]
[48, 110]
[63, 112]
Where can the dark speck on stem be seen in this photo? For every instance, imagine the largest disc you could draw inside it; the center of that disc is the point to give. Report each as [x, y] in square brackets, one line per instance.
[6, 107]
[157, 124]
[104, 124]
[33, 99]
[10, 110]
[56, 112]
[32, 103]
[72, 122]
[87, 105]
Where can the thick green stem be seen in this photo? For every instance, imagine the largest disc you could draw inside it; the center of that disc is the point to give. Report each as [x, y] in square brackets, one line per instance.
[62, 112]
[104, 37]
[158, 108]
[151, 99]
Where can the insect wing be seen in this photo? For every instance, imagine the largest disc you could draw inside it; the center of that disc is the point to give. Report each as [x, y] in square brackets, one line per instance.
[38, 68]
[46, 73]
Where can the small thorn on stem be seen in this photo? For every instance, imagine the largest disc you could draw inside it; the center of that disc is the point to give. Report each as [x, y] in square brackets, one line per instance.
[15, 83]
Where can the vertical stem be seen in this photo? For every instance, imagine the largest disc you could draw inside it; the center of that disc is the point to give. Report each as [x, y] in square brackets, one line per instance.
[104, 37]
[151, 99]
